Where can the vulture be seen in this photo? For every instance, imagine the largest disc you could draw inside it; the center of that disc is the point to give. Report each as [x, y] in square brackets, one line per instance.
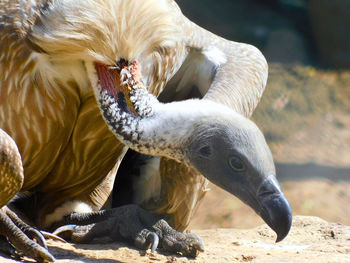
[79, 86]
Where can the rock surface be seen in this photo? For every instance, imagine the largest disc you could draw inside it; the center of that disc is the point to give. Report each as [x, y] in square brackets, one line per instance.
[310, 240]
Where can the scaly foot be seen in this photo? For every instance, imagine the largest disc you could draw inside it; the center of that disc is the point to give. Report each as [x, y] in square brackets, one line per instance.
[20, 237]
[132, 223]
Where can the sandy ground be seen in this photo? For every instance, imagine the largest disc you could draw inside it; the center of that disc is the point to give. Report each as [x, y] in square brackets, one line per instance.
[310, 240]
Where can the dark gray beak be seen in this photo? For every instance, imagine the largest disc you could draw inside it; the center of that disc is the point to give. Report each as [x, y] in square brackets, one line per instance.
[274, 208]
[266, 198]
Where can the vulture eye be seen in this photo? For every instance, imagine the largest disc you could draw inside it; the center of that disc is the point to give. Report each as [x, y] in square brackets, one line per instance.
[205, 151]
[236, 164]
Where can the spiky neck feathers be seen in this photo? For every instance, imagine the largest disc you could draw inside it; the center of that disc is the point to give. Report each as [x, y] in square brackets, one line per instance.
[123, 100]
[126, 106]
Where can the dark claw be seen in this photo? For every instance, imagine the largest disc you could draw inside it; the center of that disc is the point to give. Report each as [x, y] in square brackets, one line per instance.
[153, 239]
[30, 232]
[192, 245]
[198, 244]
[77, 233]
[35, 234]
[19, 235]
[186, 244]
[44, 255]
[35, 251]
[65, 228]
[48, 235]
[146, 239]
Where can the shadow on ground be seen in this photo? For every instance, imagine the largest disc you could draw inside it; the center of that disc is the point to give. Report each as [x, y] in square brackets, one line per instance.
[299, 172]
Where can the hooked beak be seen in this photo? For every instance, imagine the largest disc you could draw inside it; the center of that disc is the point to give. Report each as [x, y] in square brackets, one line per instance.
[266, 198]
[273, 207]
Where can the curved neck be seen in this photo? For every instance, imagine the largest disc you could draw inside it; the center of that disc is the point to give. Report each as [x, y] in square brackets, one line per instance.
[239, 81]
[136, 117]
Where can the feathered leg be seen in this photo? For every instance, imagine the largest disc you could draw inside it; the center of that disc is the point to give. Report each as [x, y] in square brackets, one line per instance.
[132, 223]
[18, 233]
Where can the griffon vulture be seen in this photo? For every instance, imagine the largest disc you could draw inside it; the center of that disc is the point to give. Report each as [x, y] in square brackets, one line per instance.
[78, 87]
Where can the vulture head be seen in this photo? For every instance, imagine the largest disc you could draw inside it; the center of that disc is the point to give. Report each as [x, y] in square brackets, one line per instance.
[116, 44]
[232, 153]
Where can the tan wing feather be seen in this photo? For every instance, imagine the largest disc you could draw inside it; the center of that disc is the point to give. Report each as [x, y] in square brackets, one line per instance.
[49, 109]
[11, 171]
[22, 108]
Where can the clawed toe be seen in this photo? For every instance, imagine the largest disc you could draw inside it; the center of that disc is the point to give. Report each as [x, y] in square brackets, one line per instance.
[48, 235]
[20, 238]
[195, 241]
[36, 235]
[75, 233]
[60, 230]
[194, 245]
[186, 244]
[147, 240]
[153, 240]
[190, 246]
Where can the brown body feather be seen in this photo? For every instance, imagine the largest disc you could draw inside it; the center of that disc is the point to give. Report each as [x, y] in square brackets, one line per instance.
[66, 147]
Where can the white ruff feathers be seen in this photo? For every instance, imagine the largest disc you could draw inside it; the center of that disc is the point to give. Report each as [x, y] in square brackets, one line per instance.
[66, 209]
[106, 31]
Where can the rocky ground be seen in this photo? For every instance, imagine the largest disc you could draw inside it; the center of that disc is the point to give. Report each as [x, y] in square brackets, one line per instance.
[310, 240]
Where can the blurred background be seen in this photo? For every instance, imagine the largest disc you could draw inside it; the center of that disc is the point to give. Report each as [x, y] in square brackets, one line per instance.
[305, 110]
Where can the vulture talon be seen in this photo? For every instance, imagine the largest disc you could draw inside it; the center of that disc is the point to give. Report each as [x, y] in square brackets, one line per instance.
[31, 232]
[64, 228]
[186, 244]
[19, 235]
[153, 239]
[199, 244]
[132, 223]
[75, 233]
[147, 240]
[35, 234]
[48, 235]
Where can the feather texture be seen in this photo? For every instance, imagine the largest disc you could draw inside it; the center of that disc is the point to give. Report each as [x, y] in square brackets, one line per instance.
[47, 87]
[104, 31]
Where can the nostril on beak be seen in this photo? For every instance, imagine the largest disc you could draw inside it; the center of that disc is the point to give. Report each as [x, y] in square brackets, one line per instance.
[267, 195]
[269, 189]
[275, 209]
